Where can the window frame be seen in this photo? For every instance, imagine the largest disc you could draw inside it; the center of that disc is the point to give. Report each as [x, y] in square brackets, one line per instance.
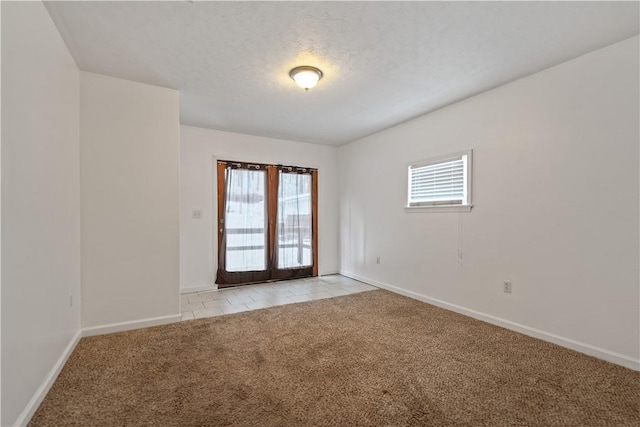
[466, 204]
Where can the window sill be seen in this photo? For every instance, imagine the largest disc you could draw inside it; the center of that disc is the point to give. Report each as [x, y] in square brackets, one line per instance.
[439, 208]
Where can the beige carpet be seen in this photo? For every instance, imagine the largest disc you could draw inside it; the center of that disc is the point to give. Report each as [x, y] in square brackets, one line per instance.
[369, 359]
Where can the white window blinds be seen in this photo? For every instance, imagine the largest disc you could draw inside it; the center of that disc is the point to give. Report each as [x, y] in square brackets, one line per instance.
[440, 182]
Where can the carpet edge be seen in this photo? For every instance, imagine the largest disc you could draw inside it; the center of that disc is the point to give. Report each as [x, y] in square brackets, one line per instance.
[42, 391]
[130, 325]
[589, 350]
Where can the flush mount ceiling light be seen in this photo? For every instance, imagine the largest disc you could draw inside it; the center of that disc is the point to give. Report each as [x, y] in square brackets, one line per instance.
[305, 76]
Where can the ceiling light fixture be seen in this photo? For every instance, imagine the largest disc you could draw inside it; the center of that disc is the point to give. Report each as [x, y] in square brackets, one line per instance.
[305, 76]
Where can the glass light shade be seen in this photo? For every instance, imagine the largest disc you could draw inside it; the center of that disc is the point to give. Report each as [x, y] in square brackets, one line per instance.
[306, 77]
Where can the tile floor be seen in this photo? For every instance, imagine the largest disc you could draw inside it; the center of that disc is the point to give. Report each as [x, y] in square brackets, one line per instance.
[197, 305]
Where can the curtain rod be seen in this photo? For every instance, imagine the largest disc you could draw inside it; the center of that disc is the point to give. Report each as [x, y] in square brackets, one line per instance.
[260, 165]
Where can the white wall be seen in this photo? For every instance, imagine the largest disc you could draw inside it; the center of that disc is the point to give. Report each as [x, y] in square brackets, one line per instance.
[130, 138]
[556, 204]
[198, 149]
[40, 202]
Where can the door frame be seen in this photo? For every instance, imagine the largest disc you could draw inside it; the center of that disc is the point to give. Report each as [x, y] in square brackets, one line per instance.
[272, 197]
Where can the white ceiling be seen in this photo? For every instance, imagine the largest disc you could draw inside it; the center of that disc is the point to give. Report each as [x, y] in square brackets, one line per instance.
[383, 62]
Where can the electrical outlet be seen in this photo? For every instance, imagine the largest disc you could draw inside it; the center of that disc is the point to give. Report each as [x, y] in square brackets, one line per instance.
[378, 260]
[196, 214]
[70, 300]
[507, 286]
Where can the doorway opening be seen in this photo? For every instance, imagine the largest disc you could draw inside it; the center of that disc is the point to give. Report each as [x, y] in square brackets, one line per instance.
[267, 223]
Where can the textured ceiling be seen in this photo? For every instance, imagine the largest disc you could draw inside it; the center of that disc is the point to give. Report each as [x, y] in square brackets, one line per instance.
[383, 62]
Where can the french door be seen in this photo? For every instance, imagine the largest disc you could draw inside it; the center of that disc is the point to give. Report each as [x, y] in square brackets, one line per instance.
[267, 223]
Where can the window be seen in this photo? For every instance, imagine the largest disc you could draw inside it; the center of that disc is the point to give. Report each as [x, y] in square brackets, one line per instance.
[245, 219]
[294, 220]
[444, 182]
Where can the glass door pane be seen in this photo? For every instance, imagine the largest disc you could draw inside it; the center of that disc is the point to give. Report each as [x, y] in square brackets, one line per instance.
[294, 240]
[246, 220]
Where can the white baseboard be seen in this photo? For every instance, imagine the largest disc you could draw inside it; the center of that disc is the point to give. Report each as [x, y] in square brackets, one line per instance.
[128, 326]
[41, 392]
[598, 352]
[191, 289]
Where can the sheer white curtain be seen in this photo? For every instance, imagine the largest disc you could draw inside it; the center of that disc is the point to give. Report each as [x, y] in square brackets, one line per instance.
[246, 220]
[294, 234]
